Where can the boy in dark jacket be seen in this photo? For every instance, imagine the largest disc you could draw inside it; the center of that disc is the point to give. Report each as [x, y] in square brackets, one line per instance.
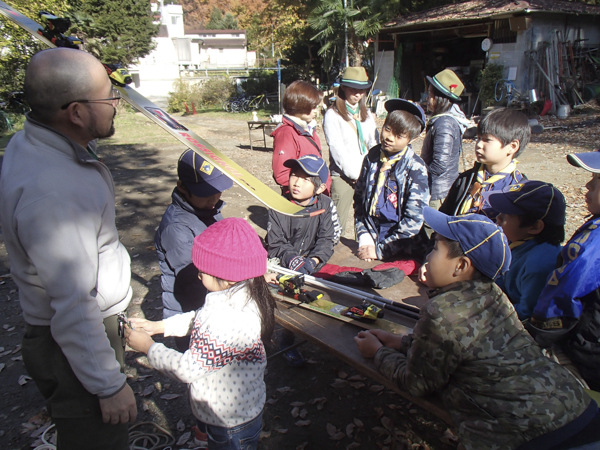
[304, 244]
[502, 135]
[532, 216]
[567, 314]
[393, 189]
[196, 204]
[469, 345]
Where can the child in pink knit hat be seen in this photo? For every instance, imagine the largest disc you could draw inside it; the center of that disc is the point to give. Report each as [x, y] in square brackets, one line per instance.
[226, 361]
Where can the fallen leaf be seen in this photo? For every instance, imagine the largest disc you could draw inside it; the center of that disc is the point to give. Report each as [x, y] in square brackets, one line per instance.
[377, 388]
[331, 429]
[358, 423]
[339, 383]
[170, 396]
[302, 446]
[297, 404]
[350, 429]
[356, 378]
[357, 385]
[23, 379]
[352, 446]
[378, 412]
[311, 361]
[317, 400]
[302, 423]
[283, 390]
[147, 390]
[281, 430]
[380, 431]
[338, 436]
[387, 423]
[17, 358]
[295, 412]
[265, 434]
[180, 425]
[303, 413]
[342, 374]
[184, 438]
[271, 401]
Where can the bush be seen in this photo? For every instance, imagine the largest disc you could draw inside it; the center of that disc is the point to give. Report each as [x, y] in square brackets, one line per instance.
[487, 79]
[211, 92]
[260, 81]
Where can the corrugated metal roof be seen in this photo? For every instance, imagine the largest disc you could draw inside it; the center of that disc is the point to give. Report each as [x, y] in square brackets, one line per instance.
[486, 9]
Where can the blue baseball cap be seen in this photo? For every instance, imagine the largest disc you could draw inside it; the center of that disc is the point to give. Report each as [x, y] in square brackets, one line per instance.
[312, 165]
[481, 240]
[589, 161]
[201, 177]
[536, 198]
[400, 104]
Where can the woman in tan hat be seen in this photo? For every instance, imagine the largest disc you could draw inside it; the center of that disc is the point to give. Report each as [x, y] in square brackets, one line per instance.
[443, 141]
[350, 131]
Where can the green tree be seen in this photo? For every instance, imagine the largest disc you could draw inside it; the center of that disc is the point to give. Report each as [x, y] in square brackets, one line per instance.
[115, 31]
[17, 45]
[229, 22]
[216, 19]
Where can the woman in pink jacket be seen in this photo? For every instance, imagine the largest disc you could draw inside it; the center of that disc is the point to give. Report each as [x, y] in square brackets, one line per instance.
[296, 136]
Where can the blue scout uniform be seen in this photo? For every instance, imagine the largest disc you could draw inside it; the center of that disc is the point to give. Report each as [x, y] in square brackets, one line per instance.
[395, 221]
[568, 309]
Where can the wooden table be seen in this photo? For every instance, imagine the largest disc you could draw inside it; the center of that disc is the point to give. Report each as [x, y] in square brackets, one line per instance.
[336, 337]
[259, 125]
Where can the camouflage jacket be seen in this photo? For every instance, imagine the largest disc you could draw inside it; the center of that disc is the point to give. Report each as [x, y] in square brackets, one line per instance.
[498, 387]
[407, 239]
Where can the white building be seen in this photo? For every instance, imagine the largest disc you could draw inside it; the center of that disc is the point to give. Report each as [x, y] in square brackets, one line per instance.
[187, 52]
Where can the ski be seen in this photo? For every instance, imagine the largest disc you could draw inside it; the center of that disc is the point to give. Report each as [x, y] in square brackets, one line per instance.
[238, 174]
[335, 311]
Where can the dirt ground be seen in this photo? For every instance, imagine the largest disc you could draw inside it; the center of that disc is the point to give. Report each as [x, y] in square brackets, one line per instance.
[323, 405]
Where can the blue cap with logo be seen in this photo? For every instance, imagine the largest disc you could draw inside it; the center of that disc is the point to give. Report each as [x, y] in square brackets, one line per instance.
[534, 198]
[589, 161]
[201, 177]
[481, 240]
[312, 165]
[400, 104]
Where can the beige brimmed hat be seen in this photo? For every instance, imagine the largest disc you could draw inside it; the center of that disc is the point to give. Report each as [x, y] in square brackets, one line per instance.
[355, 77]
[448, 84]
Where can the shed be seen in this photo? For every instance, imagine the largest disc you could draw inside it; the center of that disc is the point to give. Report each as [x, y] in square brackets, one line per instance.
[553, 33]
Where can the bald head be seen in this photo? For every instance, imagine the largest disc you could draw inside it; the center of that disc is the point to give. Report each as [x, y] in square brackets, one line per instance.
[58, 76]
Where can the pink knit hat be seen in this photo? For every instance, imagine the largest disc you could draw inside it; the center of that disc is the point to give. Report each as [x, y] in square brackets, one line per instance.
[231, 250]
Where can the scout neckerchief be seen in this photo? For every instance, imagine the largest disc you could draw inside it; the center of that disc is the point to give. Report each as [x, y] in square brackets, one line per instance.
[474, 199]
[386, 165]
[355, 113]
[515, 244]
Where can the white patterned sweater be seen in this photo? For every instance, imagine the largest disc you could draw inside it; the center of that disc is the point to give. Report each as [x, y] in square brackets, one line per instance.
[226, 361]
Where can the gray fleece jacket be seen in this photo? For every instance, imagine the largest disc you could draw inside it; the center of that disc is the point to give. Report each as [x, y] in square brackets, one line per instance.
[57, 208]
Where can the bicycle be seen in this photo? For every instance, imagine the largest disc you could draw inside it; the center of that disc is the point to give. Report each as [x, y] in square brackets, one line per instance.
[257, 102]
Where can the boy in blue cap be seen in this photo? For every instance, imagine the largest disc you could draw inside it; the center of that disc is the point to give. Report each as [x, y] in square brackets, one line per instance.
[532, 216]
[196, 204]
[567, 314]
[469, 345]
[393, 189]
[304, 244]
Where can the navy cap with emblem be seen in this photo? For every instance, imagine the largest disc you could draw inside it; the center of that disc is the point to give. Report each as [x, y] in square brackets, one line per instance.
[589, 161]
[312, 165]
[201, 177]
[480, 239]
[533, 198]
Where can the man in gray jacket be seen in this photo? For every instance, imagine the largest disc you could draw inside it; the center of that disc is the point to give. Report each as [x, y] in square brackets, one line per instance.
[57, 208]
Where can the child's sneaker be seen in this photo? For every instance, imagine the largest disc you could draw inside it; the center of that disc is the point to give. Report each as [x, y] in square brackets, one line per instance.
[200, 438]
[294, 358]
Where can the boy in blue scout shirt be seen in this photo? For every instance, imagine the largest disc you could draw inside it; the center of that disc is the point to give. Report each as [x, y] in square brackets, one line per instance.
[567, 314]
[469, 346]
[502, 135]
[532, 216]
[196, 204]
[393, 189]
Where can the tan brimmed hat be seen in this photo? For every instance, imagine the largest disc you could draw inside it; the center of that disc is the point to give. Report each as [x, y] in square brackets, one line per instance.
[448, 84]
[355, 77]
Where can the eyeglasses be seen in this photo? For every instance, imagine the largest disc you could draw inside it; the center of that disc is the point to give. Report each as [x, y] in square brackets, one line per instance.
[114, 100]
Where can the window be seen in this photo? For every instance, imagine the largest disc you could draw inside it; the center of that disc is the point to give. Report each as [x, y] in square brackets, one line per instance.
[502, 33]
[220, 50]
[174, 20]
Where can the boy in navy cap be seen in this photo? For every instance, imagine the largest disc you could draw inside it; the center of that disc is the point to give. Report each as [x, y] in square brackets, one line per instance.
[393, 189]
[567, 314]
[196, 204]
[469, 345]
[532, 216]
[304, 244]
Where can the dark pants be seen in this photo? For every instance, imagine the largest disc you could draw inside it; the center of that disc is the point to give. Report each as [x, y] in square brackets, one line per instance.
[75, 411]
[241, 437]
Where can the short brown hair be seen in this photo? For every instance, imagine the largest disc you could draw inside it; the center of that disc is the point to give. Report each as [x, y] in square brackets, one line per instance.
[403, 123]
[300, 97]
